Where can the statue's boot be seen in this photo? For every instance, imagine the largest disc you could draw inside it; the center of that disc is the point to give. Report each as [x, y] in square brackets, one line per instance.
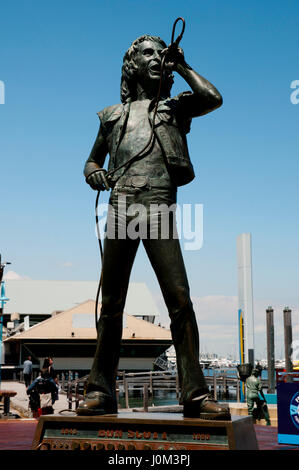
[206, 408]
[97, 403]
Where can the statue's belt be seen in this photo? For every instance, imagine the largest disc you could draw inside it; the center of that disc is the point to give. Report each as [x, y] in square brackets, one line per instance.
[143, 182]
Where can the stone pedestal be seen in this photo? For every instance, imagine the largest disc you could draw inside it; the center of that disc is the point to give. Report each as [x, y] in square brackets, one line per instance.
[143, 431]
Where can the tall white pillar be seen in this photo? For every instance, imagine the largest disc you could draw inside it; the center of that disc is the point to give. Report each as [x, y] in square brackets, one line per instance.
[245, 293]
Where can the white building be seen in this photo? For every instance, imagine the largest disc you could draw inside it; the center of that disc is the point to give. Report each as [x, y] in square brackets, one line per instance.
[68, 332]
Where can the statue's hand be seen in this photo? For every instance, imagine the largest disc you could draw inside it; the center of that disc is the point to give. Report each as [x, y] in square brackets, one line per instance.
[98, 181]
[174, 56]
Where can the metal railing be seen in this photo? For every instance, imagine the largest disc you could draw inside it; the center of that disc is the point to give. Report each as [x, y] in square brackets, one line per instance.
[147, 383]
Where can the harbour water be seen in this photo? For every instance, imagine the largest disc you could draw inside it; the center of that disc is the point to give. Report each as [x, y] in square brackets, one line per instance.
[159, 398]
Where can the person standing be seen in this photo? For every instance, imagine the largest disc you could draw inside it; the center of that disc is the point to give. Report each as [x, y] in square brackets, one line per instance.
[27, 371]
[48, 369]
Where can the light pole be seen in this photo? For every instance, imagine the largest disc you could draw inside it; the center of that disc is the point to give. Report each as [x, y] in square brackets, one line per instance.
[3, 300]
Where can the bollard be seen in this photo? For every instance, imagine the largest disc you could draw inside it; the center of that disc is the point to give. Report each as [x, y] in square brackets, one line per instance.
[215, 384]
[145, 397]
[62, 381]
[117, 397]
[287, 321]
[177, 386]
[151, 383]
[69, 391]
[224, 384]
[125, 383]
[77, 395]
[6, 404]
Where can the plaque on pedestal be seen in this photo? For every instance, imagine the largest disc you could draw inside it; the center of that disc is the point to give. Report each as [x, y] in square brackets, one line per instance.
[143, 431]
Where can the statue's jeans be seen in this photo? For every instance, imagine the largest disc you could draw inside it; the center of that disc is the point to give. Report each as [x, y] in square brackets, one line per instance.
[167, 261]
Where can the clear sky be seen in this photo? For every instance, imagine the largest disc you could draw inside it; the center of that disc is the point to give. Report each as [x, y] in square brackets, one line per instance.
[60, 64]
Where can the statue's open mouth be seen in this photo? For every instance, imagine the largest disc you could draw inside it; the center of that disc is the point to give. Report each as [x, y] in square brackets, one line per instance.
[155, 68]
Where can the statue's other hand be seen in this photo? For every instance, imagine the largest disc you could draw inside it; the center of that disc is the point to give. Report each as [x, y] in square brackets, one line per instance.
[98, 181]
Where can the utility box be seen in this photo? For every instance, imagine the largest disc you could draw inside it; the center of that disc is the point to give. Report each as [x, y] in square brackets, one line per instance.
[288, 408]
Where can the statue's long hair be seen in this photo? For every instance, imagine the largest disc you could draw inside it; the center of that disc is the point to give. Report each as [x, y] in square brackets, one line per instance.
[128, 86]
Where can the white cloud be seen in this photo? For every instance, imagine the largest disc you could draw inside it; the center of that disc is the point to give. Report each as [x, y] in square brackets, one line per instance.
[217, 319]
[13, 276]
[67, 264]
[216, 309]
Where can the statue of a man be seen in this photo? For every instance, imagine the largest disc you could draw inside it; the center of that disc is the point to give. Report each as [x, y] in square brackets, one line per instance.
[255, 394]
[152, 178]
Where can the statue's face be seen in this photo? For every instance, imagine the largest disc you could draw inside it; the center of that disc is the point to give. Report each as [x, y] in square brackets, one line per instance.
[148, 60]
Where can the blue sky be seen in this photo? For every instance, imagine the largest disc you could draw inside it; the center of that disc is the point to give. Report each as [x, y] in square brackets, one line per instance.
[60, 63]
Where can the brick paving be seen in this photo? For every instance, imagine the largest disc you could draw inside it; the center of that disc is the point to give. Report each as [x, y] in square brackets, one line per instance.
[267, 439]
[17, 434]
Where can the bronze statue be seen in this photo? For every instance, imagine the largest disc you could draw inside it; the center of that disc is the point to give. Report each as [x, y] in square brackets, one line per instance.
[149, 159]
[255, 395]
